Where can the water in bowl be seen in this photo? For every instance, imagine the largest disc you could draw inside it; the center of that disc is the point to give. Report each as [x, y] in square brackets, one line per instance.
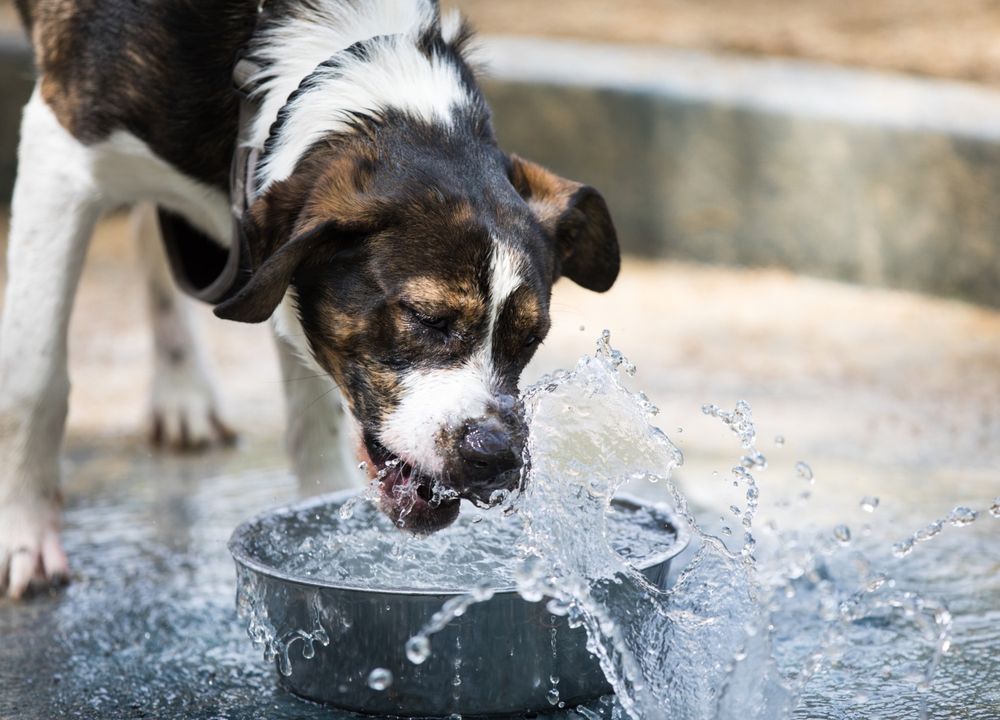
[361, 549]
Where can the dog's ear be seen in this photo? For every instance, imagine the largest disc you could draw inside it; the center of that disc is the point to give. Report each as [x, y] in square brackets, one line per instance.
[257, 300]
[577, 221]
[313, 216]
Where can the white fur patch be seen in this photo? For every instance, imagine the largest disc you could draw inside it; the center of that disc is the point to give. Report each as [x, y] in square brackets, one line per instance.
[436, 400]
[505, 277]
[287, 326]
[62, 187]
[433, 401]
[396, 75]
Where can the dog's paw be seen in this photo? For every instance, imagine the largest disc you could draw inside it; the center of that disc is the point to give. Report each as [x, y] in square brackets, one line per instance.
[186, 415]
[31, 552]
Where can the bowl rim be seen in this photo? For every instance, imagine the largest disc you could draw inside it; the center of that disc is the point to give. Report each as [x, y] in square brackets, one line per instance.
[236, 547]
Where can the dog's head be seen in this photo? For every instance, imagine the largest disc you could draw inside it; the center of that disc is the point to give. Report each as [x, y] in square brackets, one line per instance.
[420, 260]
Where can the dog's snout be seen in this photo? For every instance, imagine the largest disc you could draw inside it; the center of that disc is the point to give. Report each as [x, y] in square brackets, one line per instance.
[488, 449]
[489, 453]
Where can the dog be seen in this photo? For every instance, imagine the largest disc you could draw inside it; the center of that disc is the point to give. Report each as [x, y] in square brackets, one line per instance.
[326, 165]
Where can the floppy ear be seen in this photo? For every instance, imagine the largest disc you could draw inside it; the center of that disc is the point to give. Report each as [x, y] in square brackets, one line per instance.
[577, 221]
[277, 242]
[257, 300]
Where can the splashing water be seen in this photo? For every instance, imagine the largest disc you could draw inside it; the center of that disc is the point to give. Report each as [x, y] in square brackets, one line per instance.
[723, 642]
[742, 632]
[666, 654]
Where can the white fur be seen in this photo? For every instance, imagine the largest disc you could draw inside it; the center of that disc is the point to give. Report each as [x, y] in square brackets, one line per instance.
[451, 23]
[322, 436]
[505, 277]
[438, 400]
[287, 326]
[54, 210]
[397, 76]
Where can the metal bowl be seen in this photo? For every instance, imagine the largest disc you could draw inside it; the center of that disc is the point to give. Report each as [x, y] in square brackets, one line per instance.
[504, 651]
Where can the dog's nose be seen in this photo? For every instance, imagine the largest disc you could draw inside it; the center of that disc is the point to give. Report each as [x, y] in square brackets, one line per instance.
[489, 452]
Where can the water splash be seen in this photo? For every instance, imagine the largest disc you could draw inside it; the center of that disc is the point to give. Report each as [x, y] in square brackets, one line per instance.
[380, 679]
[274, 635]
[723, 641]
[726, 641]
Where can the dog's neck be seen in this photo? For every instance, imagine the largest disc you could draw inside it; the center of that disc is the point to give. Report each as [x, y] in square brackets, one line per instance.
[324, 65]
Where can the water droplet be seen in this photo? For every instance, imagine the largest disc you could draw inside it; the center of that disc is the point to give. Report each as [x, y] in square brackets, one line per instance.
[995, 507]
[869, 503]
[932, 529]
[961, 516]
[552, 696]
[903, 548]
[379, 679]
[284, 662]
[779, 440]
[805, 472]
[418, 649]
[842, 534]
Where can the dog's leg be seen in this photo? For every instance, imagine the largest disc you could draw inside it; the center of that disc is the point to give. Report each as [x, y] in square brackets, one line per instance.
[318, 436]
[54, 209]
[184, 408]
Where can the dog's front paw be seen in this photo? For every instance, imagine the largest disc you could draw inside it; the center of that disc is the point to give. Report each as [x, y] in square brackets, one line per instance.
[185, 409]
[31, 552]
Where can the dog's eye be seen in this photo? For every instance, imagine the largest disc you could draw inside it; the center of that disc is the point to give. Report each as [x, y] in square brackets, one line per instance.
[441, 324]
[531, 341]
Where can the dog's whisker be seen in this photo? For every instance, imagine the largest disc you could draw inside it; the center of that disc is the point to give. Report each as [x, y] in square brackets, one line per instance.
[323, 395]
[299, 379]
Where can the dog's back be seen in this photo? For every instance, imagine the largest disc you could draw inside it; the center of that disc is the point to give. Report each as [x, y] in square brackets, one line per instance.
[161, 71]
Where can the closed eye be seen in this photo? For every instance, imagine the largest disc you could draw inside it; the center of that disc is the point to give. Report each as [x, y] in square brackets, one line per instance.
[440, 323]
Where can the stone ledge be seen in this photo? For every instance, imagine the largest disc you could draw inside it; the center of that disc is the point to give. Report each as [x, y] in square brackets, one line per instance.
[859, 176]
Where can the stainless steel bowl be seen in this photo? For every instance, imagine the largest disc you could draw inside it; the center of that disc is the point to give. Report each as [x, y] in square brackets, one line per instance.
[505, 650]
